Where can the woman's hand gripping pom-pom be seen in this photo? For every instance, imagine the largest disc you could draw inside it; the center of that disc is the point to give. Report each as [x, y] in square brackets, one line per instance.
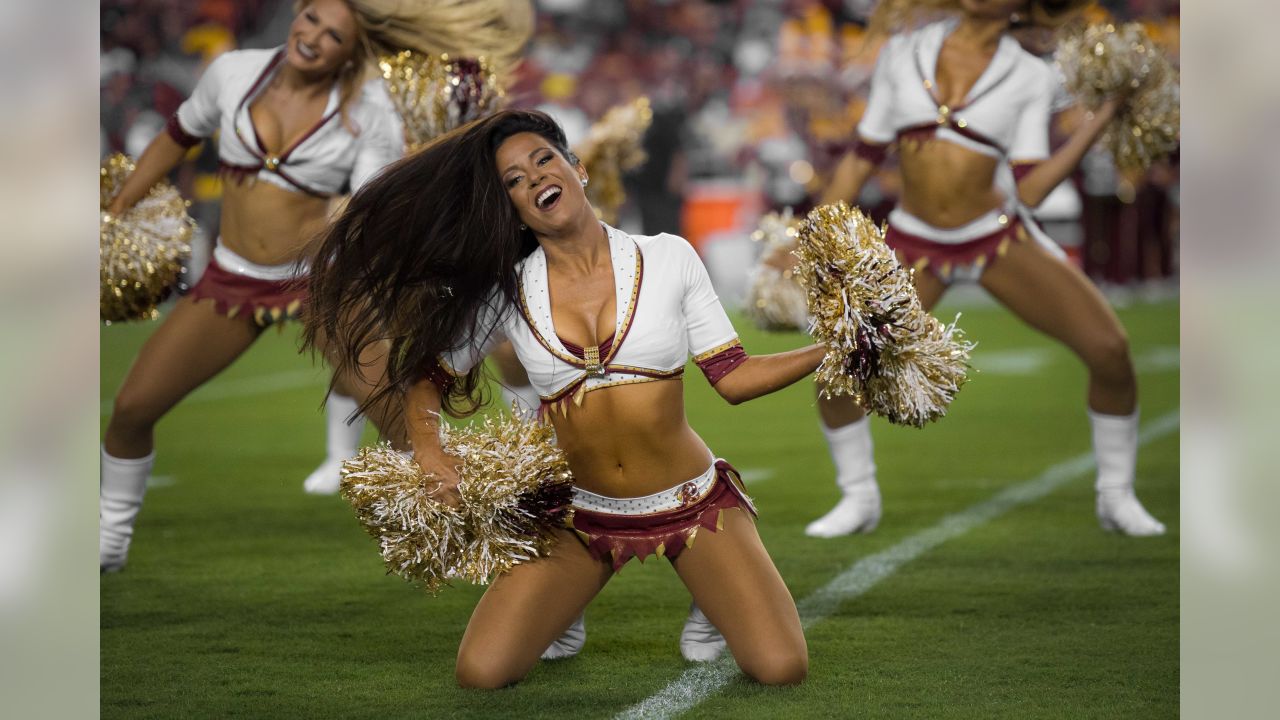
[515, 491]
[1101, 62]
[436, 93]
[894, 358]
[775, 299]
[141, 251]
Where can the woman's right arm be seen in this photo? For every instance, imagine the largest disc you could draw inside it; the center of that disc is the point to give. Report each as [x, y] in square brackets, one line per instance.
[875, 131]
[160, 157]
[847, 179]
[197, 118]
[422, 416]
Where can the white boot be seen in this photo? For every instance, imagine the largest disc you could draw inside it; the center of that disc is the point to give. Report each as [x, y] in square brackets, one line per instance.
[124, 481]
[343, 441]
[1115, 445]
[568, 644]
[854, 458]
[700, 641]
[524, 397]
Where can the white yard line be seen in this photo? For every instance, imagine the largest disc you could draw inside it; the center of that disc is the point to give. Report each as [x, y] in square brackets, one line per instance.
[700, 682]
[248, 386]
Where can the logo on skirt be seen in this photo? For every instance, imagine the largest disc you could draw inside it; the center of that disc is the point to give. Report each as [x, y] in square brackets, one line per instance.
[687, 494]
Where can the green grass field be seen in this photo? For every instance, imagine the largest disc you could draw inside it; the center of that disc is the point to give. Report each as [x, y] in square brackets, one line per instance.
[246, 598]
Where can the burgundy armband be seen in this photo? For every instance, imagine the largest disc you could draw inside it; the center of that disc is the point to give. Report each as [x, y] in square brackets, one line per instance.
[442, 378]
[180, 136]
[873, 153]
[1023, 169]
[721, 361]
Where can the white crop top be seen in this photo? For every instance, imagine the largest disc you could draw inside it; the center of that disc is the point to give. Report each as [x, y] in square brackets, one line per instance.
[1005, 114]
[666, 311]
[324, 161]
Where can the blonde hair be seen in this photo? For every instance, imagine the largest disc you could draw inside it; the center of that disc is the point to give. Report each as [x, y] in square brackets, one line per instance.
[892, 16]
[495, 29]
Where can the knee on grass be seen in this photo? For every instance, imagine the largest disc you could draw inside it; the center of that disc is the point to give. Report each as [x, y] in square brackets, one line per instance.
[783, 668]
[475, 673]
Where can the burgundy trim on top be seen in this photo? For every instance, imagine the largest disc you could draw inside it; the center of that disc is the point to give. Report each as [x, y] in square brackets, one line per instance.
[873, 153]
[179, 135]
[238, 174]
[931, 128]
[581, 352]
[261, 152]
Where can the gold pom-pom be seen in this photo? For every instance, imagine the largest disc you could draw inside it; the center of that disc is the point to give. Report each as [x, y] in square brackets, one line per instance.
[1105, 61]
[515, 490]
[436, 93]
[775, 299]
[614, 145]
[141, 252]
[894, 358]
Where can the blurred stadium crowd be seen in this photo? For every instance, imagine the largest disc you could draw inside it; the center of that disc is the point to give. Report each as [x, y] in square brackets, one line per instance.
[753, 102]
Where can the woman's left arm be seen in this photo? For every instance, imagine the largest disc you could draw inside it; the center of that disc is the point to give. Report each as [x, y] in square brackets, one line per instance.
[736, 376]
[1044, 176]
[762, 374]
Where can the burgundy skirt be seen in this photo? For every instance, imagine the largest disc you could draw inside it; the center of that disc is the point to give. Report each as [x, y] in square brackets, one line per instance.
[946, 258]
[264, 301]
[666, 534]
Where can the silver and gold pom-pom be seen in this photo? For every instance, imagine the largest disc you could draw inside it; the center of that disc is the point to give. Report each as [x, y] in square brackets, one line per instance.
[437, 93]
[775, 299]
[142, 251]
[884, 350]
[614, 145]
[1104, 61]
[515, 490]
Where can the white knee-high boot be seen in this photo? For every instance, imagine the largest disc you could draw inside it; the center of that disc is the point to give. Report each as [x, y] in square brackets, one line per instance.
[343, 441]
[700, 641]
[1115, 445]
[524, 397]
[123, 483]
[568, 644]
[854, 457]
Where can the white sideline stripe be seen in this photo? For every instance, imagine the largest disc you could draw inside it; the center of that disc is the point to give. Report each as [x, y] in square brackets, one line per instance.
[158, 481]
[1029, 361]
[244, 387]
[755, 475]
[1011, 362]
[698, 683]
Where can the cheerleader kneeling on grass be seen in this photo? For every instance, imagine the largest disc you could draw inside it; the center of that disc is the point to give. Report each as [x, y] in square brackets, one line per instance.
[487, 234]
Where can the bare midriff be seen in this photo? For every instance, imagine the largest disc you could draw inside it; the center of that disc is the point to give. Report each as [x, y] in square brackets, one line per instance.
[631, 440]
[266, 224]
[945, 184]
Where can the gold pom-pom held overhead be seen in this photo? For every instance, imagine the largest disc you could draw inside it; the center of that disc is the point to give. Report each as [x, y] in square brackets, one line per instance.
[515, 490]
[614, 145]
[775, 299]
[895, 359]
[1104, 61]
[141, 252]
[437, 93]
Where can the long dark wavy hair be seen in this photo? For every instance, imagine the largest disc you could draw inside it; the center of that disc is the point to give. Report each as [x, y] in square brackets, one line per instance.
[416, 256]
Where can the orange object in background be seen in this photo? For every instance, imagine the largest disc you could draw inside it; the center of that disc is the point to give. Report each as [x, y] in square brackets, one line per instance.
[712, 208]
